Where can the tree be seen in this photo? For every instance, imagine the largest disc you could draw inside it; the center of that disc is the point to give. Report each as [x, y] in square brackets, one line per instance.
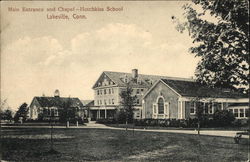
[128, 102]
[67, 113]
[6, 115]
[199, 111]
[5, 112]
[222, 44]
[22, 112]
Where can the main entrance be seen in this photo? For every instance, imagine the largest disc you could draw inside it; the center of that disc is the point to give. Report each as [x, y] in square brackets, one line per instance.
[102, 114]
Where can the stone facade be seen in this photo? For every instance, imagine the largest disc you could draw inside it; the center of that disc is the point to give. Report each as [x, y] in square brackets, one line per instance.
[170, 102]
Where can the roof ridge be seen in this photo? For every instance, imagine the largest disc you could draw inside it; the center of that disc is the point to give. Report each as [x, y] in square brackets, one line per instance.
[160, 76]
[54, 97]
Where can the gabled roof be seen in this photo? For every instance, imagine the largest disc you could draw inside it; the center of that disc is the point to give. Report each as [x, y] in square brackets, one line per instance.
[194, 89]
[146, 80]
[58, 101]
[87, 102]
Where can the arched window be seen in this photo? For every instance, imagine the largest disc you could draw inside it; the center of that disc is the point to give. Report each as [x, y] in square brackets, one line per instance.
[160, 106]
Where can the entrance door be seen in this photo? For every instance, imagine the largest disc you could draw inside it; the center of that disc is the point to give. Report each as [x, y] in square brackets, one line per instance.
[93, 115]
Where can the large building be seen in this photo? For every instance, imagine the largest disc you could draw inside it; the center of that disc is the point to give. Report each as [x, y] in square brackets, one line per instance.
[161, 97]
[109, 85]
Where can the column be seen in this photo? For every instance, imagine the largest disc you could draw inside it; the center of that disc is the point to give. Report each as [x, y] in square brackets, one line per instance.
[181, 116]
[184, 110]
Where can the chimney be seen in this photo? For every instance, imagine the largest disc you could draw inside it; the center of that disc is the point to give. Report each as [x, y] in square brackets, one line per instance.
[56, 93]
[134, 73]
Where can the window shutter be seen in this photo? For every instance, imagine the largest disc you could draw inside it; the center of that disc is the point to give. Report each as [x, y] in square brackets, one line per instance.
[166, 111]
[154, 109]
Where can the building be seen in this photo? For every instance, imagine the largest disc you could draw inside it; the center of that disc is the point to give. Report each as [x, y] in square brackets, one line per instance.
[178, 99]
[42, 108]
[109, 85]
[161, 97]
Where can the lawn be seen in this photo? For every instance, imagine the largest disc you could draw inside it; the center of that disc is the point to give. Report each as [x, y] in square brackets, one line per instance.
[25, 144]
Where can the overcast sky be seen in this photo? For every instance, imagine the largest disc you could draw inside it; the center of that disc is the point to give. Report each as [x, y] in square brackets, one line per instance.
[39, 55]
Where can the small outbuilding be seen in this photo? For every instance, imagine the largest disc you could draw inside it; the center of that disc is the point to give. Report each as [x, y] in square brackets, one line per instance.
[43, 108]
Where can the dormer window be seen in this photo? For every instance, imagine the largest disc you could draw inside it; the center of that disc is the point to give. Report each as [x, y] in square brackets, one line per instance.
[139, 81]
[138, 91]
[125, 79]
[149, 81]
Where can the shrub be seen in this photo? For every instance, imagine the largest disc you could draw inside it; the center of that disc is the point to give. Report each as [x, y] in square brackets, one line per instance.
[223, 118]
[106, 121]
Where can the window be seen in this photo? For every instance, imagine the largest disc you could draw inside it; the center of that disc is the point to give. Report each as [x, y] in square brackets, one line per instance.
[105, 103]
[236, 113]
[160, 106]
[49, 112]
[206, 108]
[138, 91]
[192, 108]
[113, 101]
[112, 91]
[56, 112]
[137, 101]
[100, 92]
[142, 90]
[100, 102]
[109, 101]
[210, 108]
[109, 91]
[104, 91]
[219, 106]
[247, 112]
[97, 92]
[241, 112]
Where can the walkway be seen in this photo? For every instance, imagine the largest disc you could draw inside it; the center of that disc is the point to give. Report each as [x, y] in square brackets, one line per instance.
[223, 133]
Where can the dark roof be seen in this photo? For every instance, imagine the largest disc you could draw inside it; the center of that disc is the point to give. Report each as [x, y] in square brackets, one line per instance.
[194, 89]
[146, 80]
[86, 102]
[58, 101]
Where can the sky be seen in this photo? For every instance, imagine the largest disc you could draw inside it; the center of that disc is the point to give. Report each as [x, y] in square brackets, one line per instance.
[40, 55]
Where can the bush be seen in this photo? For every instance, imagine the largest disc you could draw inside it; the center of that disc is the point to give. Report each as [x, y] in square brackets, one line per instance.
[223, 118]
[121, 117]
[106, 121]
[205, 122]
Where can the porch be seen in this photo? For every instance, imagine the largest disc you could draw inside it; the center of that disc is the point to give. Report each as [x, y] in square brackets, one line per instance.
[101, 113]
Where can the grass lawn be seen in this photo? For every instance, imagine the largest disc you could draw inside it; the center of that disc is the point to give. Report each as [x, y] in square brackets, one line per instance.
[25, 144]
